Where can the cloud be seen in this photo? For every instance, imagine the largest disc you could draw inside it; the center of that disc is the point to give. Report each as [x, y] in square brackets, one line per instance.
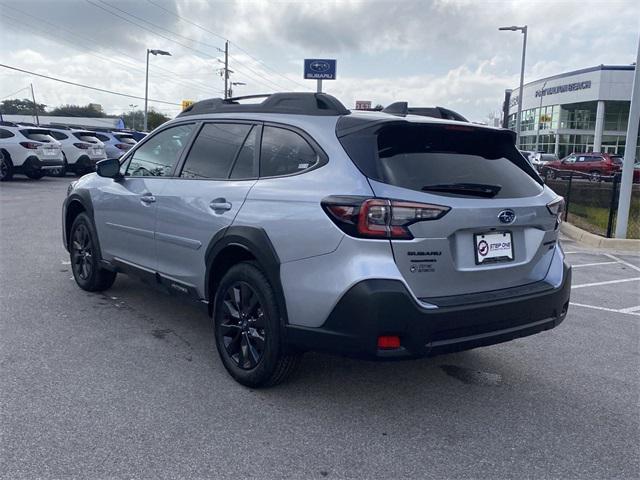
[441, 52]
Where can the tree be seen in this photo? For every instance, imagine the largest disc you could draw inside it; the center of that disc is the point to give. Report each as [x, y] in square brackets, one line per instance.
[20, 107]
[135, 119]
[91, 110]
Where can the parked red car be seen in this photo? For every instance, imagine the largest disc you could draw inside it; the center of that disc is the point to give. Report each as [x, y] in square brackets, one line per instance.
[594, 165]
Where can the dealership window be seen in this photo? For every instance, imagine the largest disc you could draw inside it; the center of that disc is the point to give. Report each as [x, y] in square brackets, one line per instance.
[616, 115]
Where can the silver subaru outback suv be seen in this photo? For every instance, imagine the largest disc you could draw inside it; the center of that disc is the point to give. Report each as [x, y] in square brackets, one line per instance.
[305, 226]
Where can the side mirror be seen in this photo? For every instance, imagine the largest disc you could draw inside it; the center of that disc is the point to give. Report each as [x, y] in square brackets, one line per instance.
[109, 168]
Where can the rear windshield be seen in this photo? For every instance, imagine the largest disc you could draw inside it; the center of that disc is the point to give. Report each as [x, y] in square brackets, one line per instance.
[617, 159]
[37, 135]
[548, 158]
[443, 159]
[89, 137]
[125, 138]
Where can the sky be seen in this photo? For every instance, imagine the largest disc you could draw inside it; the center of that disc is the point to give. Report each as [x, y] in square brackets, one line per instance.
[427, 52]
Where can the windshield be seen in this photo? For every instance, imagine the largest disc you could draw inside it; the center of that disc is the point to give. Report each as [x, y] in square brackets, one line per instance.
[443, 159]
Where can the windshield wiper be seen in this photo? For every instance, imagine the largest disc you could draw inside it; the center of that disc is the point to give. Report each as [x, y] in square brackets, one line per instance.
[472, 189]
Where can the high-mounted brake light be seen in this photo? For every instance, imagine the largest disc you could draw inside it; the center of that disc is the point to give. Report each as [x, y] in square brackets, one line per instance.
[379, 217]
[30, 145]
[83, 146]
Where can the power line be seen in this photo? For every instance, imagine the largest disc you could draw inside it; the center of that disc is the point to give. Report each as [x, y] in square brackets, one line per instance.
[223, 38]
[104, 90]
[97, 55]
[17, 91]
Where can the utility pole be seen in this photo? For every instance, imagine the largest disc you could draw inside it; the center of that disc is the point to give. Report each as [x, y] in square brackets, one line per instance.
[35, 106]
[539, 114]
[226, 68]
[626, 183]
[522, 29]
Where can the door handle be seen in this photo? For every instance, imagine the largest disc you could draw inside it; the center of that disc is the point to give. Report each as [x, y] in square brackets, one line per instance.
[220, 204]
[147, 199]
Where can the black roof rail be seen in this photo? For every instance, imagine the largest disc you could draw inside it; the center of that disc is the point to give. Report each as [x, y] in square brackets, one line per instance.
[403, 108]
[296, 103]
[8, 124]
[27, 124]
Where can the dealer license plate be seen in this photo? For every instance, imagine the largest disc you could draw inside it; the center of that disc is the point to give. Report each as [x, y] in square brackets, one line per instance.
[493, 247]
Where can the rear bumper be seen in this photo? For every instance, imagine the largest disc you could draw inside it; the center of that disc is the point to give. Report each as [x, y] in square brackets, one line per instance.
[384, 307]
[35, 163]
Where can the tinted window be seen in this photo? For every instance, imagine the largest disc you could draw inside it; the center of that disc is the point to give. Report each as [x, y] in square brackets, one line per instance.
[284, 152]
[37, 135]
[58, 135]
[442, 159]
[617, 160]
[102, 137]
[5, 133]
[125, 138]
[160, 153]
[214, 150]
[89, 137]
[246, 165]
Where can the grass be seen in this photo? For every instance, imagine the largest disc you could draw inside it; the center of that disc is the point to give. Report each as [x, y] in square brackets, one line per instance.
[594, 219]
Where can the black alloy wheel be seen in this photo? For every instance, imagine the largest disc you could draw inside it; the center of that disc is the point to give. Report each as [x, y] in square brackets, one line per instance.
[82, 257]
[243, 327]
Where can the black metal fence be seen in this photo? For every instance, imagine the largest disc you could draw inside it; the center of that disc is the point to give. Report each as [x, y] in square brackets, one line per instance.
[592, 201]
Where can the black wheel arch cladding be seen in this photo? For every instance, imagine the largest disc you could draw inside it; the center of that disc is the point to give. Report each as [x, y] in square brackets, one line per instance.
[256, 242]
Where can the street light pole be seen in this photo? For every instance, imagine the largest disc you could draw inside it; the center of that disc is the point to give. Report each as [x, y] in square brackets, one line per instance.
[522, 29]
[539, 110]
[146, 82]
[133, 114]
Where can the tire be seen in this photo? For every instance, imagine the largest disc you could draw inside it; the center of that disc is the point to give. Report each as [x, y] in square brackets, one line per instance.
[594, 176]
[550, 174]
[6, 168]
[35, 174]
[247, 329]
[85, 257]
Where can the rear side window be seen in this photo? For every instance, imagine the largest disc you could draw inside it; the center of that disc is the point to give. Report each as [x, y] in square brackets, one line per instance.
[58, 135]
[284, 152]
[158, 155]
[214, 151]
[88, 137]
[37, 135]
[442, 159]
[5, 133]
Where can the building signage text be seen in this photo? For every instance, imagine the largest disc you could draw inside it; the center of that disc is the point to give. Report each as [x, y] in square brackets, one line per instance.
[569, 87]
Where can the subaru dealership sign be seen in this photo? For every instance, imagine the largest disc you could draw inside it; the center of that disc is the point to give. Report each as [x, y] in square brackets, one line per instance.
[319, 69]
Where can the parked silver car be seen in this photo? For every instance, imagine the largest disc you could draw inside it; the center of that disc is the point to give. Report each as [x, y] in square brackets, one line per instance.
[305, 226]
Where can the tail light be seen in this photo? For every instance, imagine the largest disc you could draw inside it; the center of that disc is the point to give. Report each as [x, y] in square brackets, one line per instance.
[123, 146]
[378, 217]
[556, 208]
[83, 146]
[30, 145]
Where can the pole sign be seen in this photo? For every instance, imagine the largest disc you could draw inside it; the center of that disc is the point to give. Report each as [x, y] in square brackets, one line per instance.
[319, 69]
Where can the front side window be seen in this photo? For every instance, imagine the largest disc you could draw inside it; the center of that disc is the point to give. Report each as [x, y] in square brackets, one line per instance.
[214, 150]
[284, 152]
[159, 154]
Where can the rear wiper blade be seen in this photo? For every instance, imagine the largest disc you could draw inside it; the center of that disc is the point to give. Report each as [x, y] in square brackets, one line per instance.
[474, 189]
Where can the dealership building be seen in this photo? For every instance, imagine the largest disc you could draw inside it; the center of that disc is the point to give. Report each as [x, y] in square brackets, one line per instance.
[580, 111]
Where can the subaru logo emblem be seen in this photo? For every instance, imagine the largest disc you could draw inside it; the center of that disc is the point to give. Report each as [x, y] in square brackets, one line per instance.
[507, 216]
[319, 66]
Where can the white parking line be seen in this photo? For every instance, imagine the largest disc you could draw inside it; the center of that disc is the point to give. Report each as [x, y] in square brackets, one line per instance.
[619, 260]
[608, 282]
[630, 309]
[593, 264]
[612, 310]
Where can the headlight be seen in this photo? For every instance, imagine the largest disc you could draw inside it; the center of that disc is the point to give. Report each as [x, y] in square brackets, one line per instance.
[556, 208]
[71, 186]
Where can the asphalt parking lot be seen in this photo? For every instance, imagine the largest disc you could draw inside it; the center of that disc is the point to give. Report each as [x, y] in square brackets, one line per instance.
[127, 384]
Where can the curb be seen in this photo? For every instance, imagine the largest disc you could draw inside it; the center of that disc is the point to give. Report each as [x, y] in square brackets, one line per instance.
[593, 240]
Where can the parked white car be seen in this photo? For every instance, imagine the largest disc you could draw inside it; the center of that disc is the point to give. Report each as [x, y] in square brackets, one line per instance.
[116, 144]
[81, 149]
[28, 150]
[541, 159]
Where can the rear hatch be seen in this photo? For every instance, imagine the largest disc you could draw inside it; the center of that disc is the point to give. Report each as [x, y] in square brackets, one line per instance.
[89, 142]
[125, 141]
[49, 148]
[498, 232]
